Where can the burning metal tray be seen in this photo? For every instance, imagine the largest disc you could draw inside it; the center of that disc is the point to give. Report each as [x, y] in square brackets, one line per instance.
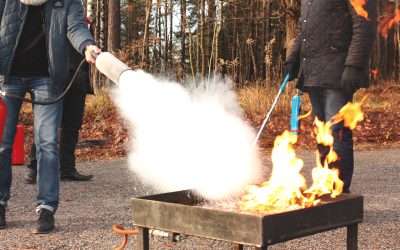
[179, 212]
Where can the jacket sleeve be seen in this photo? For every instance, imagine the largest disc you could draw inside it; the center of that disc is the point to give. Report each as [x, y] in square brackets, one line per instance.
[294, 55]
[364, 32]
[77, 30]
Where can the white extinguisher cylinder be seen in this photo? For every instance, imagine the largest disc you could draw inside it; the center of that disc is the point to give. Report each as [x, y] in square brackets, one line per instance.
[110, 66]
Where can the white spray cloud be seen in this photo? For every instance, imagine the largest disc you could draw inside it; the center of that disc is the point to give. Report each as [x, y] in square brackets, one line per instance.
[187, 139]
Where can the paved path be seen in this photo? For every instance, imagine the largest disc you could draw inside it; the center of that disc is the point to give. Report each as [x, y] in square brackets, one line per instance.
[89, 209]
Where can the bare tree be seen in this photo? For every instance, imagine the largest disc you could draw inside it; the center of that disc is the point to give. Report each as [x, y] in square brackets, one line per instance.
[145, 54]
[183, 33]
[129, 12]
[165, 35]
[114, 25]
[202, 38]
[218, 30]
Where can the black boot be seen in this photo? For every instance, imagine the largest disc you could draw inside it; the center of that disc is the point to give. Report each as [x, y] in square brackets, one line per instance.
[2, 216]
[45, 223]
[74, 175]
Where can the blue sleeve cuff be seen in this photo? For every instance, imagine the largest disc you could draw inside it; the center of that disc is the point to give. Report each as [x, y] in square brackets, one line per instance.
[84, 44]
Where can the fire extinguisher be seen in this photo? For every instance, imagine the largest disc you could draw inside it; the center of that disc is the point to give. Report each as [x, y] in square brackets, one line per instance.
[296, 108]
[3, 115]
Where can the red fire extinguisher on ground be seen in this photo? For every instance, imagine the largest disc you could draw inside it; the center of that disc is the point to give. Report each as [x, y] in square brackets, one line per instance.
[17, 156]
[3, 115]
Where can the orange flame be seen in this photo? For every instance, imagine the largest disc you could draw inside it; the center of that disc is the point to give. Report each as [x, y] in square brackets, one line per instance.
[351, 114]
[358, 6]
[305, 115]
[283, 190]
[387, 22]
[286, 189]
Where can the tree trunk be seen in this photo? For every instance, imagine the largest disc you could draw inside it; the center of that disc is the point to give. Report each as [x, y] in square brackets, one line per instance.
[219, 28]
[104, 24]
[171, 9]
[202, 38]
[129, 20]
[183, 34]
[145, 53]
[114, 25]
[211, 31]
[165, 35]
[159, 31]
[265, 39]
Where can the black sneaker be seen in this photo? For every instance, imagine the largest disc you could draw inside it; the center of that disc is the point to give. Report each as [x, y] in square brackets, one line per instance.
[30, 175]
[75, 176]
[45, 223]
[2, 216]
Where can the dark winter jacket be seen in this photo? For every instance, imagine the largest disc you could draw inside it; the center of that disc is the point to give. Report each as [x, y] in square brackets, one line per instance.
[331, 36]
[63, 21]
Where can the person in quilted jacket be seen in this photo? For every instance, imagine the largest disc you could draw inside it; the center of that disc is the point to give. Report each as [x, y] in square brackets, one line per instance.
[34, 59]
[71, 121]
[330, 59]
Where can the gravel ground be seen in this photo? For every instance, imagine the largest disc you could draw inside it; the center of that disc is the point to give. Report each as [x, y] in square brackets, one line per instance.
[89, 209]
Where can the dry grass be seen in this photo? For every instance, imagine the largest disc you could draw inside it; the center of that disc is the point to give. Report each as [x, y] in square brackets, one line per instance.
[380, 97]
[379, 128]
[257, 100]
[99, 103]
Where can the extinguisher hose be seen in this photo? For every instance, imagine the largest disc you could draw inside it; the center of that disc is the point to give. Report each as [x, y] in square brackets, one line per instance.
[71, 82]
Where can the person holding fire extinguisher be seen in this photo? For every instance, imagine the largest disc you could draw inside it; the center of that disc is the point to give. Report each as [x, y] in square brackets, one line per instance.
[34, 59]
[71, 122]
[330, 59]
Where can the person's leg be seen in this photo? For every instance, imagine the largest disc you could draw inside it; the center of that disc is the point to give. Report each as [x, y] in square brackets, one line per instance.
[14, 86]
[72, 118]
[317, 96]
[343, 136]
[31, 168]
[46, 123]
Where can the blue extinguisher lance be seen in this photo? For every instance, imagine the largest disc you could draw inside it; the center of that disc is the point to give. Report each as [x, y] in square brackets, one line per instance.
[296, 109]
[283, 86]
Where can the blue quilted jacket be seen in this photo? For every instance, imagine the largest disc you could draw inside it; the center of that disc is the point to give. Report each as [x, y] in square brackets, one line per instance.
[63, 21]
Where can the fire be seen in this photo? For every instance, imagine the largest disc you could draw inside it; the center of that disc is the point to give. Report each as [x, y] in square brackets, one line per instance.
[283, 190]
[358, 6]
[387, 22]
[286, 189]
[351, 114]
[374, 72]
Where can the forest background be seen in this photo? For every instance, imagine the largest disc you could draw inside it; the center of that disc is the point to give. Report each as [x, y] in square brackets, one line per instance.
[245, 41]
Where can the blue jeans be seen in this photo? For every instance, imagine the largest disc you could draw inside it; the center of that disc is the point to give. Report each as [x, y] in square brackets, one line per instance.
[46, 123]
[325, 104]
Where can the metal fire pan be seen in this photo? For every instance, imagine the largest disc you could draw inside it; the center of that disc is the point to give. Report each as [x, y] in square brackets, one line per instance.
[178, 212]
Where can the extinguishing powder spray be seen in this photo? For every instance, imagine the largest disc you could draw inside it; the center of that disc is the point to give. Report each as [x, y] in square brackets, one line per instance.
[296, 108]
